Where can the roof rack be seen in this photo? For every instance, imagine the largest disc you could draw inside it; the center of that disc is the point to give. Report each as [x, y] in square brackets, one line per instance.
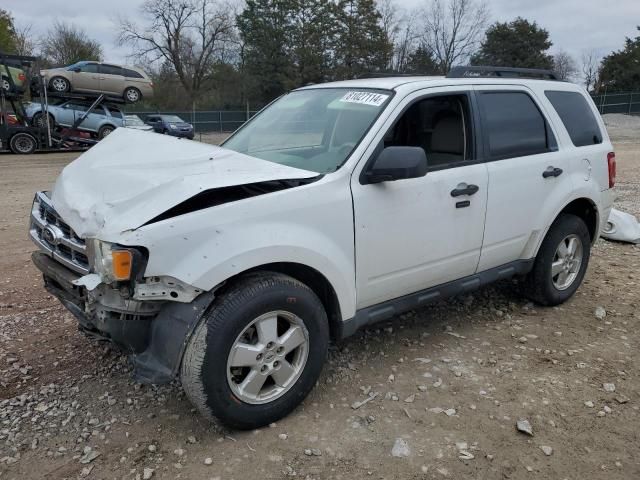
[503, 72]
[390, 75]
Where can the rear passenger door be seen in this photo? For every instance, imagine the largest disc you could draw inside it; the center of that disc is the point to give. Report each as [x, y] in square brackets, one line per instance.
[111, 79]
[528, 176]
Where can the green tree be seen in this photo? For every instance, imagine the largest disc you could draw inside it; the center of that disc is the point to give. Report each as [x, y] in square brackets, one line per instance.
[8, 40]
[519, 43]
[620, 71]
[362, 46]
[421, 61]
[266, 28]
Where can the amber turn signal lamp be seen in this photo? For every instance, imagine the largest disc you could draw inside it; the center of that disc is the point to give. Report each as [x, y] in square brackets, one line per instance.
[122, 263]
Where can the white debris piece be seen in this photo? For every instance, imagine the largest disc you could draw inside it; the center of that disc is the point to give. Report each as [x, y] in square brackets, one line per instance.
[400, 448]
[622, 227]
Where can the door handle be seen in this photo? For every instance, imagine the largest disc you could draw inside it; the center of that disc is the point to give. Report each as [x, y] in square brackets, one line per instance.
[464, 189]
[552, 172]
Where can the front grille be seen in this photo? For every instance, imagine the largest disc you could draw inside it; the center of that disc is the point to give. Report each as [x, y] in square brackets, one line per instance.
[55, 237]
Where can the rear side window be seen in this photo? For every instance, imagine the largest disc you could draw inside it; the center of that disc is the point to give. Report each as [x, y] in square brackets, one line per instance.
[131, 73]
[115, 113]
[577, 117]
[513, 125]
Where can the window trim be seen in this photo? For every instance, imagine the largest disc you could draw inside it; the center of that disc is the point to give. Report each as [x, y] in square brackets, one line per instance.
[550, 136]
[476, 140]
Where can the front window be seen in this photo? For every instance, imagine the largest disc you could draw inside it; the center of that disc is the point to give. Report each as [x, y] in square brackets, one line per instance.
[314, 129]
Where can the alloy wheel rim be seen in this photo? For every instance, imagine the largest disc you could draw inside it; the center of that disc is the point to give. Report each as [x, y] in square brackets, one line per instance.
[132, 95]
[6, 85]
[268, 357]
[59, 85]
[566, 262]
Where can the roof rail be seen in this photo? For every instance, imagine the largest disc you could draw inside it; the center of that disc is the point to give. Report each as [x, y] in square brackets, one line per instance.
[389, 75]
[503, 72]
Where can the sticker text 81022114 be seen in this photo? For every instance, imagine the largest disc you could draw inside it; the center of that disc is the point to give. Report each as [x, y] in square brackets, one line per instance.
[365, 98]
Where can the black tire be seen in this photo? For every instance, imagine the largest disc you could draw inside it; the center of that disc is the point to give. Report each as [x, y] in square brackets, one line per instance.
[204, 371]
[38, 120]
[5, 84]
[59, 85]
[23, 144]
[104, 131]
[132, 95]
[539, 284]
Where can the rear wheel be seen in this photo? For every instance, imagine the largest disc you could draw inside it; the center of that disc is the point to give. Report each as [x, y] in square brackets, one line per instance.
[561, 262]
[59, 85]
[5, 85]
[105, 131]
[258, 352]
[23, 144]
[132, 95]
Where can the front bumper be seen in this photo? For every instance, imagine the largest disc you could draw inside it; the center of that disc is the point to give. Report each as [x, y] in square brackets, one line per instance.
[181, 134]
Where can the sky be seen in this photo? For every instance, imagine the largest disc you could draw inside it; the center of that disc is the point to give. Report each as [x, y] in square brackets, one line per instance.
[575, 26]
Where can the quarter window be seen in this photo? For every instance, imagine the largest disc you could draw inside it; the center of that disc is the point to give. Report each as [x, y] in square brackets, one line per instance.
[514, 125]
[131, 73]
[577, 117]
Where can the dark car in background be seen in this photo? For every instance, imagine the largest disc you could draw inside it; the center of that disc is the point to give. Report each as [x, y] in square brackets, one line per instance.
[171, 125]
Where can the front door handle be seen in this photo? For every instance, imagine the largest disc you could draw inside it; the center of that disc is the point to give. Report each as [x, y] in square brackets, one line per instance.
[552, 172]
[464, 189]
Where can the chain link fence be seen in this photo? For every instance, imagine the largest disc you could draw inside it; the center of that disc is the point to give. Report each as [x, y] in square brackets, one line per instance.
[627, 103]
[206, 121]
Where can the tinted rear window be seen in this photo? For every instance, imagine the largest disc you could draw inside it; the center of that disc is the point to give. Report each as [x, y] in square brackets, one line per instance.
[514, 125]
[132, 73]
[577, 117]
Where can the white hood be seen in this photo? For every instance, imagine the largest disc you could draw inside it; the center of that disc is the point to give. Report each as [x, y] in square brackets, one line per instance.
[133, 176]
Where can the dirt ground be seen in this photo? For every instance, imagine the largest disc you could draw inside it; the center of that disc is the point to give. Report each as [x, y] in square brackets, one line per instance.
[452, 380]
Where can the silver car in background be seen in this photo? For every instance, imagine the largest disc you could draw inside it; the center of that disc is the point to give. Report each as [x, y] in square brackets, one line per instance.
[103, 120]
[130, 83]
[135, 122]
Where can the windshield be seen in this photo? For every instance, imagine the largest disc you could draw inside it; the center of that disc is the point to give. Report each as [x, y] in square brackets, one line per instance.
[172, 119]
[134, 120]
[314, 129]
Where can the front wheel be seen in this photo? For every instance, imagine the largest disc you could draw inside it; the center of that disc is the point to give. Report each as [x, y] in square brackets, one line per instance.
[561, 262]
[258, 351]
[59, 85]
[105, 131]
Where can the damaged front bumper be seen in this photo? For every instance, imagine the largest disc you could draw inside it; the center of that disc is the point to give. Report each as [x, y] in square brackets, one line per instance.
[143, 320]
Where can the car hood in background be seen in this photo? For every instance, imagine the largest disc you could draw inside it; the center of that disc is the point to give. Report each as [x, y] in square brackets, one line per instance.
[132, 176]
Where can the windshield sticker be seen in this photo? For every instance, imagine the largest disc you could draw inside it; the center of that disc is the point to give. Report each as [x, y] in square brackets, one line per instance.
[365, 98]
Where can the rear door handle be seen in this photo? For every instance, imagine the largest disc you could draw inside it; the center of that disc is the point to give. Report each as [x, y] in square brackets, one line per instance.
[464, 189]
[552, 172]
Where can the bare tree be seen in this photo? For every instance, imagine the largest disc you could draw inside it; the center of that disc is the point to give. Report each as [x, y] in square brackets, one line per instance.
[25, 44]
[590, 68]
[565, 66]
[453, 29]
[189, 35]
[65, 44]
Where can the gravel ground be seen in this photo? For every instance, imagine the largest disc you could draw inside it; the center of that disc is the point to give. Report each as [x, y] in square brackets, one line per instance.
[447, 384]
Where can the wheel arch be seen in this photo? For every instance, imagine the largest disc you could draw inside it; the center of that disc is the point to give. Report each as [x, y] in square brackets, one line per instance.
[587, 210]
[312, 278]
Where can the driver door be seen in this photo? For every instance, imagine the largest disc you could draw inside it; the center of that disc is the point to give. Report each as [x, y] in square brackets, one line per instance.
[417, 233]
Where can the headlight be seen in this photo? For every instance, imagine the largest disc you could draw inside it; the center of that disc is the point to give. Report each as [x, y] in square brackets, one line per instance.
[172, 126]
[111, 262]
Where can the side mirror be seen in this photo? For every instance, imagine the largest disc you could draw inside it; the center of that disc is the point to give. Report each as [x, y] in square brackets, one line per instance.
[397, 163]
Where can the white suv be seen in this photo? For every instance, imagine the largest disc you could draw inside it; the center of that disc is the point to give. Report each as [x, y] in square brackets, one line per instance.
[338, 206]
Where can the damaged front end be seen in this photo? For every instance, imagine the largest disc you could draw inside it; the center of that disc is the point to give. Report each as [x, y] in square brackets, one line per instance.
[104, 287]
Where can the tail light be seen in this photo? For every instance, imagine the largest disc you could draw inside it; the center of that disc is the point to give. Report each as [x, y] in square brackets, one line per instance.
[22, 77]
[611, 163]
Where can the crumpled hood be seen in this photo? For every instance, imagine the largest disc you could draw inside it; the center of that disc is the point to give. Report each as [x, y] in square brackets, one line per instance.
[133, 176]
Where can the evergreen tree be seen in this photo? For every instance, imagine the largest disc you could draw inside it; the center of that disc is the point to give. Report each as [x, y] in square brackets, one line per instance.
[363, 46]
[620, 71]
[8, 42]
[519, 43]
[421, 62]
[266, 28]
